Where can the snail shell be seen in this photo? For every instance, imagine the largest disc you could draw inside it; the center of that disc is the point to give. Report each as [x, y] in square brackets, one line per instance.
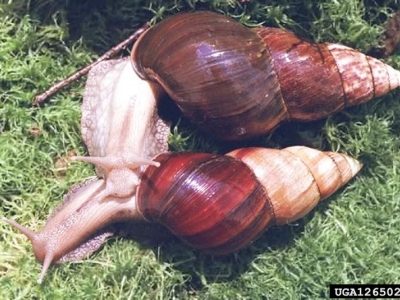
[238, 83]
[219, 204]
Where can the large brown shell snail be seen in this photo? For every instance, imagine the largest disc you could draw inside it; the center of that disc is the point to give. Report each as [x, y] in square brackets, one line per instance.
[238, 83]
[215, 203]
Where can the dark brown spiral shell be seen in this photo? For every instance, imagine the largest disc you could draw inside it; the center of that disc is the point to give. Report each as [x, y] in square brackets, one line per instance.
[210, 76]
[237, 83]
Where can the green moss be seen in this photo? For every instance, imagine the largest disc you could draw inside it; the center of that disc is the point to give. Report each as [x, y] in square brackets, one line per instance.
[351, 238]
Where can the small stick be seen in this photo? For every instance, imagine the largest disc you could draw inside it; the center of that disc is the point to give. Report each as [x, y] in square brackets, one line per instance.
[41, 98]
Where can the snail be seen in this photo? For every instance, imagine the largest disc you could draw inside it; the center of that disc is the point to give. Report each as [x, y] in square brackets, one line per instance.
[214, 203]
[238, 83]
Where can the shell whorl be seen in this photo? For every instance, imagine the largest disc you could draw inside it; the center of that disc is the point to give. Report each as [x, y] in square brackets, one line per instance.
[363, 77]
[213, 203]
[217, 76]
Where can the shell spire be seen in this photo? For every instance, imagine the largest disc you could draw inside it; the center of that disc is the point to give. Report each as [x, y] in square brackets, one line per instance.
[317, 80]
[302, 177]
[363, 77]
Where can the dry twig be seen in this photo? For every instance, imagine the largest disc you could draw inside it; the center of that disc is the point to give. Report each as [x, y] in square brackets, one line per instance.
[42, 97]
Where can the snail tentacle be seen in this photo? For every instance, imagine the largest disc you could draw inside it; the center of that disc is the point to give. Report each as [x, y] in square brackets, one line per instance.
[75, 229]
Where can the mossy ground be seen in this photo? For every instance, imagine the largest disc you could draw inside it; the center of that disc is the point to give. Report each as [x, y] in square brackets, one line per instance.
[351, 238]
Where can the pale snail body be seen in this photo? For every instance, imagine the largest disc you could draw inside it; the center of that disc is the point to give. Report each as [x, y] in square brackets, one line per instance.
[238, 83]
[123, 132]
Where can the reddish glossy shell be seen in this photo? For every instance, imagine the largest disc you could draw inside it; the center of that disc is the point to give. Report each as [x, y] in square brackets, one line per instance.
[217, 71]
[213, 203]
[308, 76]
[237, 83]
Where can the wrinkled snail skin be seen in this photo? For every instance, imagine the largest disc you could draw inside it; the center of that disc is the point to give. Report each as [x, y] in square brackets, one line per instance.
[215, 203]
[70, 232]
[120, 125]
[238, 83]
[219, 204]
[123, 133]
